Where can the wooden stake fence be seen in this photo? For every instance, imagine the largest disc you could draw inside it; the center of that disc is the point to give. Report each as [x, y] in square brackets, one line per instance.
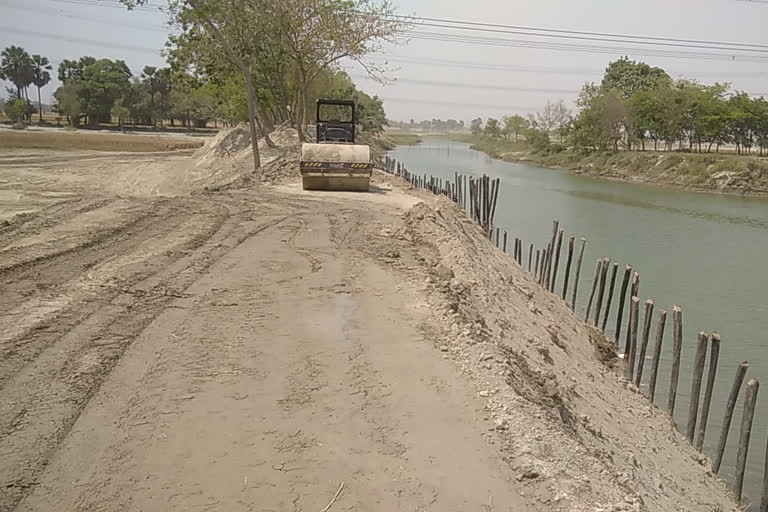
[478, 197]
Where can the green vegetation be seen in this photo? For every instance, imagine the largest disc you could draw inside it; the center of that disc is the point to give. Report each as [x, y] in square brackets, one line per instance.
[402, 139]
[261, 61]
[636, 108]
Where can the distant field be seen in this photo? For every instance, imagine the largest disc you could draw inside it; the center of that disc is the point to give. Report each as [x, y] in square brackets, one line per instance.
[67, 141]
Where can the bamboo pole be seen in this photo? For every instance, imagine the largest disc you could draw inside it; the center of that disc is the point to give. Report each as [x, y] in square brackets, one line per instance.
[530, 257]
[644, 343]
[733, 397]
[555, 227]
[698, 371]
[657, 354]
[634, 314]
[610, 295]
[633, 293]
[622, 298]
[557, 259]
[578, 272]
[598, 268]
[568, 266]
[750, 398]
[543, 272]
[601, 290]
[714, 355]
[677, 347]
[764, 498]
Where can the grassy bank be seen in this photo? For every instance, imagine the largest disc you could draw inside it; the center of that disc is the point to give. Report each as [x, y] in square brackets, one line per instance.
[81, 140]
[709, 172]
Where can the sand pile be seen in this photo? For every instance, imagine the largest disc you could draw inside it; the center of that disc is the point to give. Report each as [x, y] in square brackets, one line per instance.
[578, 434]
[226, 161]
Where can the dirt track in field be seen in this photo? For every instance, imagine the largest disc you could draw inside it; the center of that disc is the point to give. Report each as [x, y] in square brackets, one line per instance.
[166, 347]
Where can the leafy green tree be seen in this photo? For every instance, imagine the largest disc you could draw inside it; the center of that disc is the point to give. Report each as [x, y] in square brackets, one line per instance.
[17, 110]
[103, 82]
[476, 126]
[317, 34]
[41, 75]
[515, 125]
[538, 139]
[73, 69]
[628, 77]
[492, 127]
[68, 102]
[16, 66]
[120, 111]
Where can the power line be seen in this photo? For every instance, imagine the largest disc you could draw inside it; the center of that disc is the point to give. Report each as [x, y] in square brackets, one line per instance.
[547, 70]
[578, 32]
[475, 86]
[60, 13]
[596, 39]
[522, 43]
[95, 42]
[512, 43]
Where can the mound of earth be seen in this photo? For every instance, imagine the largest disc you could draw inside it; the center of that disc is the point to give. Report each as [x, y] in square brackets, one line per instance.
[578, 434]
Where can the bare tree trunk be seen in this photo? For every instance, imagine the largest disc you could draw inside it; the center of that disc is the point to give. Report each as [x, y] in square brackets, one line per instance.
[252, 118]
[39, 105]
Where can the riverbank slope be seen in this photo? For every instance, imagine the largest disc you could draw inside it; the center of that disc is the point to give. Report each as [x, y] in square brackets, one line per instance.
[229, 344]
[710, 172]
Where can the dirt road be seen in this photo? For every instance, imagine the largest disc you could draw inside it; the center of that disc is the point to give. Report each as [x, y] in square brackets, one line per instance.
[169, 343]
[227, 352]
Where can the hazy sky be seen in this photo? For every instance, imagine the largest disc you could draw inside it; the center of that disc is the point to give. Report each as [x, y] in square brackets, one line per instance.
[62, 29]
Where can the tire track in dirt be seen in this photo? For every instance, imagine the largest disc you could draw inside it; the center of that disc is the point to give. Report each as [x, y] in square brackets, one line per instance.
[52, 295]
[41, 403]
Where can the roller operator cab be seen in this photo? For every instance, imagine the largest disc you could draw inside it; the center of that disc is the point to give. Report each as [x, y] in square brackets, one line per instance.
[335, 162]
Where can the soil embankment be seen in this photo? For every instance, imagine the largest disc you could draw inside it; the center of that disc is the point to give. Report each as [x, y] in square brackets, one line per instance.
[200, 340]
[707, 172]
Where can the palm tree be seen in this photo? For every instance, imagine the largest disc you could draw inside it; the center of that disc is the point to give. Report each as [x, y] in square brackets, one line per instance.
[40, 77]
[16, 65]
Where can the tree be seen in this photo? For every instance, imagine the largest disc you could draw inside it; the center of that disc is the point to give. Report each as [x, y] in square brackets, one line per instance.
[516, 125]
[40, 77]
[551, 118]
[103, 82]
[16, 66]
[476, 126]
[120, 111]
[17, 110]
[628, 77]
[492, 128]
[320, 33]
[73, 69]
[68, 102]
[538, 139]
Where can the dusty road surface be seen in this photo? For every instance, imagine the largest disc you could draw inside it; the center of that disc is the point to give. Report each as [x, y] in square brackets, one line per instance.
[167, 347]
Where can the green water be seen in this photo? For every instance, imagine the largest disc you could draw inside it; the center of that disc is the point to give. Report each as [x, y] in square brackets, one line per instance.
[704, 252]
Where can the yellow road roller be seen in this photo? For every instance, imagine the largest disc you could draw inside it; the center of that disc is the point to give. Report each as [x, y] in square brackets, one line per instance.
[335, 162]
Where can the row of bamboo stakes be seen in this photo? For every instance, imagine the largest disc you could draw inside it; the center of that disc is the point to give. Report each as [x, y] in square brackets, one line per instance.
[478, 197]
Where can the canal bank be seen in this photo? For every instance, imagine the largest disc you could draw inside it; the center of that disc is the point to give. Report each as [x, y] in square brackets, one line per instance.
[725, 173]
[703, 252]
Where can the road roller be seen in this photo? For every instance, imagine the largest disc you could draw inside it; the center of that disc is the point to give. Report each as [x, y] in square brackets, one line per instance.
[334, 161]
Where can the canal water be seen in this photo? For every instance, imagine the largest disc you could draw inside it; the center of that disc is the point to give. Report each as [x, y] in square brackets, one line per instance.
[707, 253]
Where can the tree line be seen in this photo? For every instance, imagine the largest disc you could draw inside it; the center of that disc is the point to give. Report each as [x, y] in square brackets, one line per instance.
[96, 91]
[438, 125]
[637, 106]
[261, 61]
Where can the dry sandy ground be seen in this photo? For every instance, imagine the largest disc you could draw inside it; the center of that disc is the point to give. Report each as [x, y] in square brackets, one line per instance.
[165, 347]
